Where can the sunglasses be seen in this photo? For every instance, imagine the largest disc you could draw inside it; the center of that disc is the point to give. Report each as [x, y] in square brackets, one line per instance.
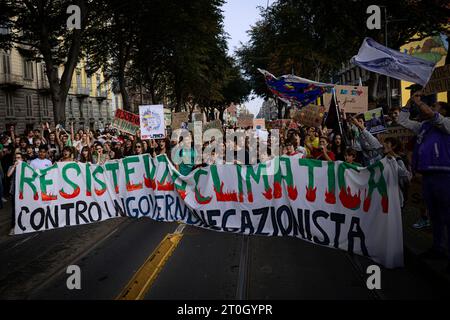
[138, 147]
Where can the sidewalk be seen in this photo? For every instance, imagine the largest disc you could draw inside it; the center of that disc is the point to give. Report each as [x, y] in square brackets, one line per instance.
[419, 241]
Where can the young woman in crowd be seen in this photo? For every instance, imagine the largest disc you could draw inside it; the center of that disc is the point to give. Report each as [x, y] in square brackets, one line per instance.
[86, 155]
[67, 154]
[99, 157]
[338, 147]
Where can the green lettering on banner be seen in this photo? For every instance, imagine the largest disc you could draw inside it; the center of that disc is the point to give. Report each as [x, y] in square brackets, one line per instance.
[69, 181]
[311, 190]
[28, 181]
[379, 185]
[280, 177]
[330, 194]
[256, 176]
[198, 196]
[129, 171]
[150, 172]
[163, 184]
[88, 180]
[102, 190]
[348, 199]
[44, 183]
[113, 167]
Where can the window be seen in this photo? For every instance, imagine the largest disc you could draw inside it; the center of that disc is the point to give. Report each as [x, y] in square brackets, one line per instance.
[70, 108]
[78, 79]
[6, 64]
[29, 105]
[98, 83]
[9, 105]
[28, 69]
[45, 106]
[44, 77]
[91, 109]
[4, 30]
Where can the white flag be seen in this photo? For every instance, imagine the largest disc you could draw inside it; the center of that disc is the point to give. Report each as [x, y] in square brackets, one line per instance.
[374, 57]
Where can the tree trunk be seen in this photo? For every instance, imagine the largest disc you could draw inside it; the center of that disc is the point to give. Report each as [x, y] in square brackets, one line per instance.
[60, 87]
[123, 89]
[221, 113]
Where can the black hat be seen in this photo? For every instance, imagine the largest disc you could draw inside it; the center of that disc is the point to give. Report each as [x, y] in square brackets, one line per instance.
[414, 87]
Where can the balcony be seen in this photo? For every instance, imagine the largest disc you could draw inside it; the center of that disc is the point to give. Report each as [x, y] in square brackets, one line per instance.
[82, 92]
[101, 95]
[43, 86]
[11, 81]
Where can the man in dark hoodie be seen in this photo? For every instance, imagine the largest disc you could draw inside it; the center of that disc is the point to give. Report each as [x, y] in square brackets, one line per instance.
[431, 158]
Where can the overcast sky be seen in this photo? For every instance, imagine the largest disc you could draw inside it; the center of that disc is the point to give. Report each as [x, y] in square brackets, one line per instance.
[240, 15]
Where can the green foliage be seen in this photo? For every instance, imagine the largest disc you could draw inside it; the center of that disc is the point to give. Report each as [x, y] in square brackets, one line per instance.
[313, 38]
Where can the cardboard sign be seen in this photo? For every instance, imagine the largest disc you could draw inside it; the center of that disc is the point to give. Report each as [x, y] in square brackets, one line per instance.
[126, 122]
[167, 117]
[279, 124]
[350, 99]
[197, 117]
[180, 120]
[310, 116]
[259, 124]
[152, 121]
[245, 121]
[401, 133]
[374, 121]
[439, 82]
[215, 124]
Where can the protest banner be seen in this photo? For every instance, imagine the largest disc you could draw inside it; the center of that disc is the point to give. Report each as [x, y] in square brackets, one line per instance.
[167, 117]
[126, 122]
[374, 121]
[259, 124]
[152, 122]
[180, 120]
[401, 133]
[332, 204]
[279, 124]
[310, 116]
[439, 82]
[351, 99]
[215, 124]
[245, 121]
[196, 117]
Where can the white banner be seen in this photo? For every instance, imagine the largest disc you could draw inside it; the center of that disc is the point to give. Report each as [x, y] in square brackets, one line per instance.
[333, 204]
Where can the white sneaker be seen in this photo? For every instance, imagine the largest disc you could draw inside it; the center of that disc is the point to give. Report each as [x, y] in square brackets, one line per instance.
[4, 200]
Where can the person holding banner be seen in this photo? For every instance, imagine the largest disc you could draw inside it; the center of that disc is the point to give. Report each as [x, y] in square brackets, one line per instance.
[11, 174]
[369, 146]
[431, 158]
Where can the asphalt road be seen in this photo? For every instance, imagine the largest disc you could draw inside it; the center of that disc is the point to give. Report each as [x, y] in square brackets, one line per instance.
[205, 265]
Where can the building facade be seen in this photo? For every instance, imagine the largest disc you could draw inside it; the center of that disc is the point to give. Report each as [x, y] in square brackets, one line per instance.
[25, 99]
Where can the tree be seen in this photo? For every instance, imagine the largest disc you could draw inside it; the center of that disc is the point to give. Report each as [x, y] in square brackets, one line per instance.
[314, 38]
[39, 29]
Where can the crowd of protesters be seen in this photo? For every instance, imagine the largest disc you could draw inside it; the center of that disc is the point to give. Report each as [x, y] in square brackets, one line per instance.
[427, 154]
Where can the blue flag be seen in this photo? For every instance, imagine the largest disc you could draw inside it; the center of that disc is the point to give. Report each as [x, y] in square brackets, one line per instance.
[374, 57]
[295, 90]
